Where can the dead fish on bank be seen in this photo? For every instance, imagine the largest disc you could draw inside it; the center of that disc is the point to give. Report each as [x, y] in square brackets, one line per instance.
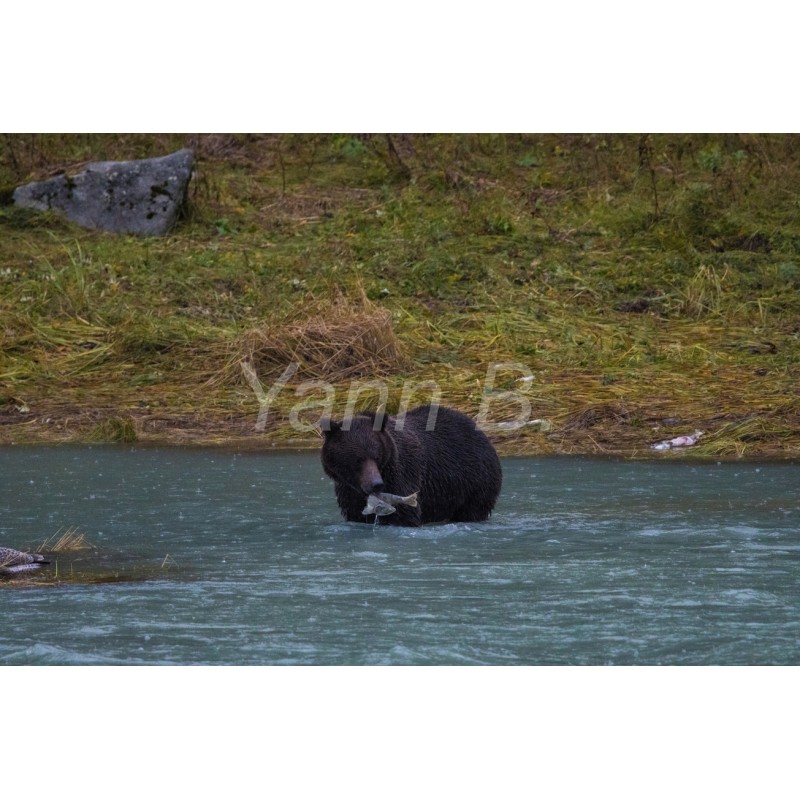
[13, 561]
[382, 503]
[678, 441]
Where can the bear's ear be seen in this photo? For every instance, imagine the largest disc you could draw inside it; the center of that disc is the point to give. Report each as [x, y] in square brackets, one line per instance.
[329, 426]
[381, 418]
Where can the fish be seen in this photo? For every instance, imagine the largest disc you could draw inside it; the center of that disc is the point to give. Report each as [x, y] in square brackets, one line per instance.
[13, 561]
[382, 503]
[678, 441]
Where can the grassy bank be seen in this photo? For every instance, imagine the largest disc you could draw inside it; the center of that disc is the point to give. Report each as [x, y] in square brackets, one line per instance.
[650, 283]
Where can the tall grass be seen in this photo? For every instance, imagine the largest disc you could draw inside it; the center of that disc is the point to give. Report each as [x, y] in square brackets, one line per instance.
[656, 275]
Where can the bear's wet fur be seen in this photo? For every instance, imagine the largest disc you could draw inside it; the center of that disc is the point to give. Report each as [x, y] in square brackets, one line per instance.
[453, 466]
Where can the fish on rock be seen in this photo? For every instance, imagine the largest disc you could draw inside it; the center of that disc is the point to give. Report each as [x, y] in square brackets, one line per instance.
[13, 561]
[383, 503]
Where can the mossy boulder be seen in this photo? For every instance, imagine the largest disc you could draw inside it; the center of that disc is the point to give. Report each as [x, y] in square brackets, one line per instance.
[141, 197]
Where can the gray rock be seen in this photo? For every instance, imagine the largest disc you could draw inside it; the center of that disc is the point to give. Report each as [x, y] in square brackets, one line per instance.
[143, 197]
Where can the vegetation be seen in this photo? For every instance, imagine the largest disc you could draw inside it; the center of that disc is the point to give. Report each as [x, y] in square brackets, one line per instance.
[72, 560]
[650, 283]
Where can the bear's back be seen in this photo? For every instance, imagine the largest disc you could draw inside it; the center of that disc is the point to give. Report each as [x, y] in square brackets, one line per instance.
[462, 475]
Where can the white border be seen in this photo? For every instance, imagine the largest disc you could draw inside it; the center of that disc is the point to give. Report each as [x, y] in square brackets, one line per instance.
[621, 732]
[422, 66]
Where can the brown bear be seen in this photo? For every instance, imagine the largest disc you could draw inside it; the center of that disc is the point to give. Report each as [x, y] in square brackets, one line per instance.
[450, 463]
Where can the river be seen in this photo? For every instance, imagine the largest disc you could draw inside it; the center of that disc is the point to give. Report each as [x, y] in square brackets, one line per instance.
[206, 556]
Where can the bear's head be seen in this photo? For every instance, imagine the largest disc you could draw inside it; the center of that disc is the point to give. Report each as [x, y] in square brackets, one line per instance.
[356, 454]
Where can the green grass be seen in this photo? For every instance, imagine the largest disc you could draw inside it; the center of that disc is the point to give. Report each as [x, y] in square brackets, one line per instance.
[642, 279]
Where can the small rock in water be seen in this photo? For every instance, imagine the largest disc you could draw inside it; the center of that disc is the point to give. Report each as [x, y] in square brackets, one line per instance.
[141, 197]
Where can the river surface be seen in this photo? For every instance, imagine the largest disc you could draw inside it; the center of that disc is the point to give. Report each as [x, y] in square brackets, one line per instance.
[242, 558]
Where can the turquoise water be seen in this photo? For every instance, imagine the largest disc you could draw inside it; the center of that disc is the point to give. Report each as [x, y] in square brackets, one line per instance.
[247, 561]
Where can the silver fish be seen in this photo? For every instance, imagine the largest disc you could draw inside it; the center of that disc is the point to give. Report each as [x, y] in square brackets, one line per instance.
[12, 561]
[382, 503]
[678, 441]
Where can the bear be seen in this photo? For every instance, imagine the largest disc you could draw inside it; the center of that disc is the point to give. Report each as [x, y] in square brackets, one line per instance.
[453, 466]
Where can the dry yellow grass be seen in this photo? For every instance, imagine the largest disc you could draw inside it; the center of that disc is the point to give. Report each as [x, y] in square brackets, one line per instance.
[335, 342]
[69, 541]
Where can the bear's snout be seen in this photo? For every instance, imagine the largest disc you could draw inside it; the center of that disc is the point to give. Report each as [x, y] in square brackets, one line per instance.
[370, 478]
